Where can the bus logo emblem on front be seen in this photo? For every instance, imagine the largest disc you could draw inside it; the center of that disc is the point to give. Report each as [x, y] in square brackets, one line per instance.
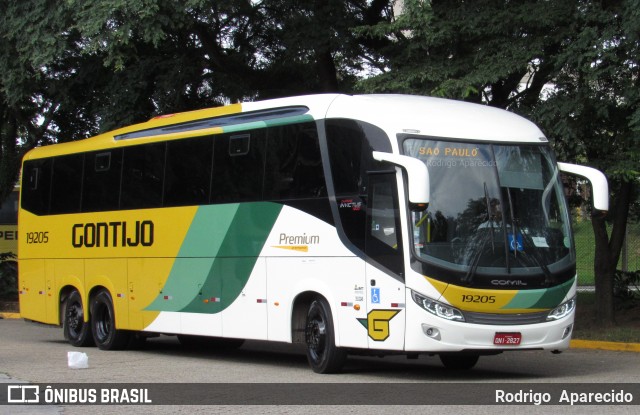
[377, 323]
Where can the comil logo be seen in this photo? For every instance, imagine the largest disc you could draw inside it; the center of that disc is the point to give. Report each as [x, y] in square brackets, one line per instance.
[508, 282]
[23, 394]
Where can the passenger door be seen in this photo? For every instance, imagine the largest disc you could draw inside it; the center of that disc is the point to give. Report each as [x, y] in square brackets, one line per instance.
[385, 268]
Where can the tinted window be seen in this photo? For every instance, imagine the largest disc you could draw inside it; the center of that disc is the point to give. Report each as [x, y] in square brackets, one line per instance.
[101, 190]
[188, 172]
[36, 186]
[142, 174]
[383, 236]
[294, 166]
[66, 184]
[346, 142]
[238, 167]
[351, 144]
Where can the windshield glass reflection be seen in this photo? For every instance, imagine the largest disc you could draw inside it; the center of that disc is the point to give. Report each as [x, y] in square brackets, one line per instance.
[494, 208]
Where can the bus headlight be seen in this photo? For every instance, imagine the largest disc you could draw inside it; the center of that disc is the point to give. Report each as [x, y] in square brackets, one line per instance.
[562, 310]
[437, 308]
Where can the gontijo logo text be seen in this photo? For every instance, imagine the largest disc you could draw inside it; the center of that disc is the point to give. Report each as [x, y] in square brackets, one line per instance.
[112, 234]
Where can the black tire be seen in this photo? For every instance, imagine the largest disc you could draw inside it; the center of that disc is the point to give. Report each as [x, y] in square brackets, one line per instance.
[103, 324]
[322, 354]
[76, 331]
[459, 361]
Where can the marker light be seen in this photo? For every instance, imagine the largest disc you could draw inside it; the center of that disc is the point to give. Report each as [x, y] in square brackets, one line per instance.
[562, 310]
[437, 308]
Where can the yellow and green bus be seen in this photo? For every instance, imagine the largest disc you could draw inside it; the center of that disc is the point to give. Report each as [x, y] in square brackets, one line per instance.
[351, 224]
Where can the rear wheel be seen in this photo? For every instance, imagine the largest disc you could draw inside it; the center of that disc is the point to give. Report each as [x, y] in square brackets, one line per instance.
[459, 361]
[103, 324]
[322, 353]
[76, 331]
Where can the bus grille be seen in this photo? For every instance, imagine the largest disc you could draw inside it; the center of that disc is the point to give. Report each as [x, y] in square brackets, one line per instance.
[505, 319]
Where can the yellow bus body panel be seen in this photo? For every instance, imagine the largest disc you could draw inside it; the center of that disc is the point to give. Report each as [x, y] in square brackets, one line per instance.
[63, 257]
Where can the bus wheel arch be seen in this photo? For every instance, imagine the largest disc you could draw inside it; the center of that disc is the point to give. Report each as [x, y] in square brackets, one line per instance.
[299, 315]
[103, 322]
[319, 333]
[76, 325]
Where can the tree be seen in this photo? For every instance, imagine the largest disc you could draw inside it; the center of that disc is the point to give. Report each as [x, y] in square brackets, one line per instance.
[571, 66]
[74, 68]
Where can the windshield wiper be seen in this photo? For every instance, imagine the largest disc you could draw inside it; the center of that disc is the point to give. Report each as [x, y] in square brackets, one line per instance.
[475, 260]
[529, 248]
[514, 231]
[489, 218]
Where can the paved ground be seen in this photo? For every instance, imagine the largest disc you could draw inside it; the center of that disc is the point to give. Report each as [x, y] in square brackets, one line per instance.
[38, 354]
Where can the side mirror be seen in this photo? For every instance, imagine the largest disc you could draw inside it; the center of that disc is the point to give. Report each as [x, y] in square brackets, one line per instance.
[417, 177]
[598, 180]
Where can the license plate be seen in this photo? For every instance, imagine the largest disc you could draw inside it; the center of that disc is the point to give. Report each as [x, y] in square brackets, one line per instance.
[507, 339]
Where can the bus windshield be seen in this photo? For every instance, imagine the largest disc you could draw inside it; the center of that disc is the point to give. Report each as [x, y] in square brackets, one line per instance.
[495, 209]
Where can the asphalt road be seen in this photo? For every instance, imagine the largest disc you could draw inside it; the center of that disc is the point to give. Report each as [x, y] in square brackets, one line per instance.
[37, 353]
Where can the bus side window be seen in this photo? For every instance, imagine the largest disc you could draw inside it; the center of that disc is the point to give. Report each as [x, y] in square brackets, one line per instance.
[35, 195]
[66, 184]
[293, 167]
[101, 188]
[384, 241]
[142, 176]
[238, 167]
[188, 172]
[383, 211]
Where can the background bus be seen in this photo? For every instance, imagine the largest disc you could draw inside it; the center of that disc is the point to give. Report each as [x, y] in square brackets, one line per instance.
[352, 224]
[9, 249]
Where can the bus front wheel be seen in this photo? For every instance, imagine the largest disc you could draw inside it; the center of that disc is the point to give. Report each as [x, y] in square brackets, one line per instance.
[103, 323]
[76, 331]
[322, 353]
[459, 361]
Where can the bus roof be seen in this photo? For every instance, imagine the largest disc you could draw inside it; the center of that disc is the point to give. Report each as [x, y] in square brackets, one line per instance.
[437, 117]
[396, 114]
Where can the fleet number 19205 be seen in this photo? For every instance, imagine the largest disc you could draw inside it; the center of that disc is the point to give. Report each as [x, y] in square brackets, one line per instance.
[37, 237]
[488, 299]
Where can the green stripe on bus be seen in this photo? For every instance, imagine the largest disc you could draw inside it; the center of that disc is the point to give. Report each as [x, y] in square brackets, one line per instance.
[540, 299]
[289, 120]
[267, 123]
[206, 234]
[217, 257]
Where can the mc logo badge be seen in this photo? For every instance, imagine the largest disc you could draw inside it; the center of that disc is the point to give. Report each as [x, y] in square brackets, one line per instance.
[377, 323]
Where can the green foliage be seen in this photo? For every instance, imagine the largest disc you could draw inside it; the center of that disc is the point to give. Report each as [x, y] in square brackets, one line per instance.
[627, 289]
[8, 277]
[74, 68]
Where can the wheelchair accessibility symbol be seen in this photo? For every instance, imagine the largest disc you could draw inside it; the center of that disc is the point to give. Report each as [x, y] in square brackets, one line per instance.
[375, 295]
[515, 244]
